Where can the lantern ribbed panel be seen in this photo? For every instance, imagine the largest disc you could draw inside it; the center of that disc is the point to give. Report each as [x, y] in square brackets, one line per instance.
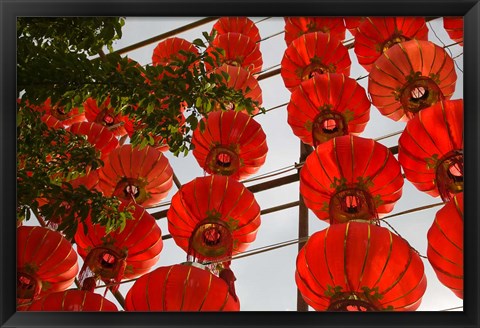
[376, 34]
[445, 245]
[353, 22]
[237, 132]
[240, 50]
[242, 25]
[75, 301]
[403, 65]
[169, 49]
[355, 257]
[432, 134]
[325, 93]
[147, 169]
[359, 162]
[297, 26]
[242, 80]
[180, 288]
[313, 53]
[98, 136]
[48, 257]
[141, 239]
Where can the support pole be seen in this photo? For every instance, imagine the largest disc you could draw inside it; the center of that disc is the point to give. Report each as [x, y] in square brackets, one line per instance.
[305, 150]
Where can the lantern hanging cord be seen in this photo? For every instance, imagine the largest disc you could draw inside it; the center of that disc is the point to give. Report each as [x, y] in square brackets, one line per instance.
[270, 36]
[272, 108]
[267, 69]
[262, 20]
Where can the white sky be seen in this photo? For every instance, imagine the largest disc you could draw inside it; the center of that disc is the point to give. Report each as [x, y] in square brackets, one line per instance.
[265, 282]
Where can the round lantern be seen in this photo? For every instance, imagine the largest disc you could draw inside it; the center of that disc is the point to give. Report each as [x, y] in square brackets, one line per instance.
[181, 287]
[239, 50]
[352, 22]
[454, 27]
[359, 267]
[52, 122]
[350, 178]
[297, 26]
[172, 49]
[105, 115]
[430, 149]
[328, 106]
[445, 245]
[377, 34]
[410, 76]
[242, 25]
[120, 254]
[97, 135]
[241, 80]
[143, 175]
[311, 54]
[213, 217]
[66, 118]
[232, 144]
[46, 262]
[73, 300]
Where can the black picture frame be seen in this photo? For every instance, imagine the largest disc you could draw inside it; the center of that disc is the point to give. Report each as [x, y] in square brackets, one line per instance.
[470, 9]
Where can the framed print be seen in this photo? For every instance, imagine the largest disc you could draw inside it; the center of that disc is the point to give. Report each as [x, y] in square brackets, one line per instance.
[219, 163]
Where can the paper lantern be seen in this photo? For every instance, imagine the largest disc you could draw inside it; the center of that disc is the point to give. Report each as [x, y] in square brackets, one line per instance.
[445, 245]
[353, 22]
[120, 254]
[359, 267]
[297, 26]
[66, 118]
[241, 80]
[327, 106]
[180, 287]
[239, 50]
[377, 34]
[454, 27]
[232, 144]
[105, 115]
[311, 54]
[130, 173]
[46, 262]
[430, 149]
[410, 76]
[350, 178]
[213, 217]
[97, 135]
[242, 25]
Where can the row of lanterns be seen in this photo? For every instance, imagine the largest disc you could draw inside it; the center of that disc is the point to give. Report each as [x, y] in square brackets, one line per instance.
[351, 182]
[347, 180]
[211, 218]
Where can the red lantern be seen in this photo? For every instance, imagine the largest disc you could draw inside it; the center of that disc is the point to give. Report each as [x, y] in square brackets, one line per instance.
[97, 135]
[170, 50]
[242, 80]
[445, 245]
[73, 300]
[410, 76]
[143, 175]
[359, 267]
[105, 115]
[430, 149]
[242, 25]
[239, 49]
[298, 26]
[350, 178]
[353, 22]
[454, 27]
[232, 143]
[66, 118]
[120, 254]
[328, 106]
[180, 287]
[51, 121]
[46, 262]
[311, 54]
[213, 217]
[377, 34]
